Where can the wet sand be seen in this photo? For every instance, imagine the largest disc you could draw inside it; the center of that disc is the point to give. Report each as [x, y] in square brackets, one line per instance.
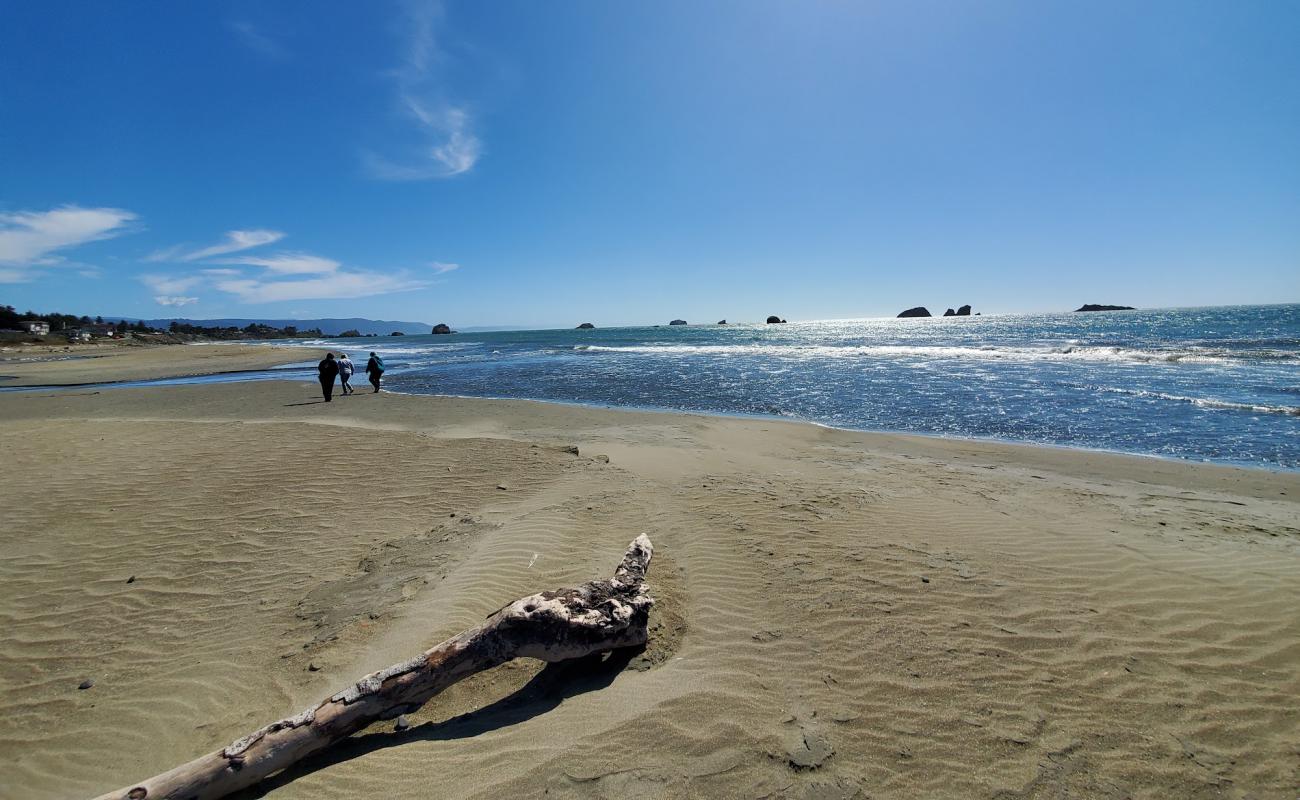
[839, 614]
[78, 365]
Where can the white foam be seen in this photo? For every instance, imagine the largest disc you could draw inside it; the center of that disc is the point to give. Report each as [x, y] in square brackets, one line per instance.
[1209, 402]
[1065, 353]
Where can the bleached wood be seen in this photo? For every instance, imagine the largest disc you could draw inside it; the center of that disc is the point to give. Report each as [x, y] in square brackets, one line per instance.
[551, 626]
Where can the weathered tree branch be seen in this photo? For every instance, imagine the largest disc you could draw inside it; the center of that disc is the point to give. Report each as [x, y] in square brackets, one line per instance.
[551, 626]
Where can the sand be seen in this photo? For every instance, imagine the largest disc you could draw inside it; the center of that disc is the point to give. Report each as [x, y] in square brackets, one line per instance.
[840, 614]
[75, 365]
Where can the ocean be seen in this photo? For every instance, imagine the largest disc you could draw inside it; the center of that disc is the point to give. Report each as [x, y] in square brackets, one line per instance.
[1210, 384]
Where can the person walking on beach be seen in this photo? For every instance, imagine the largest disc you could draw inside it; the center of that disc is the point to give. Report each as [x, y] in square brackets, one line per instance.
[345, 373]
[329, 370]
[375, 369]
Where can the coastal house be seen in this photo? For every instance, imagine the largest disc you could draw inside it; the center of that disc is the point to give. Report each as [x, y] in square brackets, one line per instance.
[98, 329]
[35, 326]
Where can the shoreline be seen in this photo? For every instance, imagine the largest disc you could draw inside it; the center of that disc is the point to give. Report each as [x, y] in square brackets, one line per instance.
[164, 381]
[877, 431]
[418, 411]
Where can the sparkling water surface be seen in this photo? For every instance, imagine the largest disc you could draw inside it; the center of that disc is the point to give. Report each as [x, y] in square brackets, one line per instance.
[1219, 384]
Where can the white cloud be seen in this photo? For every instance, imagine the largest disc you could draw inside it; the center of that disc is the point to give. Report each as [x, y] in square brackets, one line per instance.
[259, 42]
[176, 301]
[452, 148]
[29, 239]
[278, 277]
[289, 263]
[235, 241]
[338, 286]
[171, 284]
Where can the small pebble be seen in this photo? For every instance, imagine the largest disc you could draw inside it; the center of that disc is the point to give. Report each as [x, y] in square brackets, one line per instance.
[502, 486]
[924, 579]
[402, 723]
[312, 667]
[571, 450]
[86, 684]
[131, 579]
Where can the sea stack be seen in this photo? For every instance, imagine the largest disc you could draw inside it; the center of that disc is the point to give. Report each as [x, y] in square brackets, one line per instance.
[964, 311]
[950, 313]
[586, 326]
[774, 320]
[442, 327]
[1095, 307]
[678, 322]
[722, 322]
[919, 311]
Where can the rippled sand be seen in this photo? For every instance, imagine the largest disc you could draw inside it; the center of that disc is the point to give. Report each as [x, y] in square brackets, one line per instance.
[840, 615]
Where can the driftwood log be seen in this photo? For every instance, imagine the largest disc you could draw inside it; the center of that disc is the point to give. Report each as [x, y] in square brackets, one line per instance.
[551, 626]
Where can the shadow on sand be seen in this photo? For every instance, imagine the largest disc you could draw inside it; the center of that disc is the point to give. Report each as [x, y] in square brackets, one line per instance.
[547, 690]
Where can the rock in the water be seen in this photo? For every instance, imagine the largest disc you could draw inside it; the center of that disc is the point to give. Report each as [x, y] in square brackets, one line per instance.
[1095, 307]
[86, 684]
[402, 723]
[964, 311]
[774, 319]
[586, 326]
[678, 322]
[722, 322]
[919, 311]
[442, 327]
[950, 313]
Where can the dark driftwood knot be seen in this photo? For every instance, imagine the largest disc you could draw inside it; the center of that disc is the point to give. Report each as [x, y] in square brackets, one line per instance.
[552, 626]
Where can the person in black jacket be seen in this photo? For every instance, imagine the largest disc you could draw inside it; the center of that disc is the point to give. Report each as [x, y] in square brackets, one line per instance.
[375, 369]
[329, 370]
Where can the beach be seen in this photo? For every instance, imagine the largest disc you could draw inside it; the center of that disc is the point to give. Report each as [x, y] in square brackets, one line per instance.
[838, 614]
[113, 363]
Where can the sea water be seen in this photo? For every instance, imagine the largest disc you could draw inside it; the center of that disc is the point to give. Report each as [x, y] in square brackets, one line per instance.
[1217, 384]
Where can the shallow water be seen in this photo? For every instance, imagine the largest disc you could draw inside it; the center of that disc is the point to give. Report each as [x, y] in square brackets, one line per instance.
[1219, 384]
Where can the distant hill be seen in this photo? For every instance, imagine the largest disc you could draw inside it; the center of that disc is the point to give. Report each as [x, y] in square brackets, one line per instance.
[331, 327]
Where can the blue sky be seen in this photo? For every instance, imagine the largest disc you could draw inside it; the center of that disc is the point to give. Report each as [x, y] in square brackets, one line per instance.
[531, 163]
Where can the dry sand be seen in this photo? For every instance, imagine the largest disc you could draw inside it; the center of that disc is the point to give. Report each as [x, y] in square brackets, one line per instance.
[840, 614]
[75, 365]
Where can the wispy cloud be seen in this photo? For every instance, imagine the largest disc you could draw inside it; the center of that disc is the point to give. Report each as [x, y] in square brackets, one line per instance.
[340, 285]
[451, 146]
[258, 42]
[175, 301]
[276, 277]
[234, 242]
[289, 263]
[30, 240]
[170, 284]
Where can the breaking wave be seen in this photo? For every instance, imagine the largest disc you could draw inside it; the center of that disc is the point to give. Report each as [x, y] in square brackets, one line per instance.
[1071, 352]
